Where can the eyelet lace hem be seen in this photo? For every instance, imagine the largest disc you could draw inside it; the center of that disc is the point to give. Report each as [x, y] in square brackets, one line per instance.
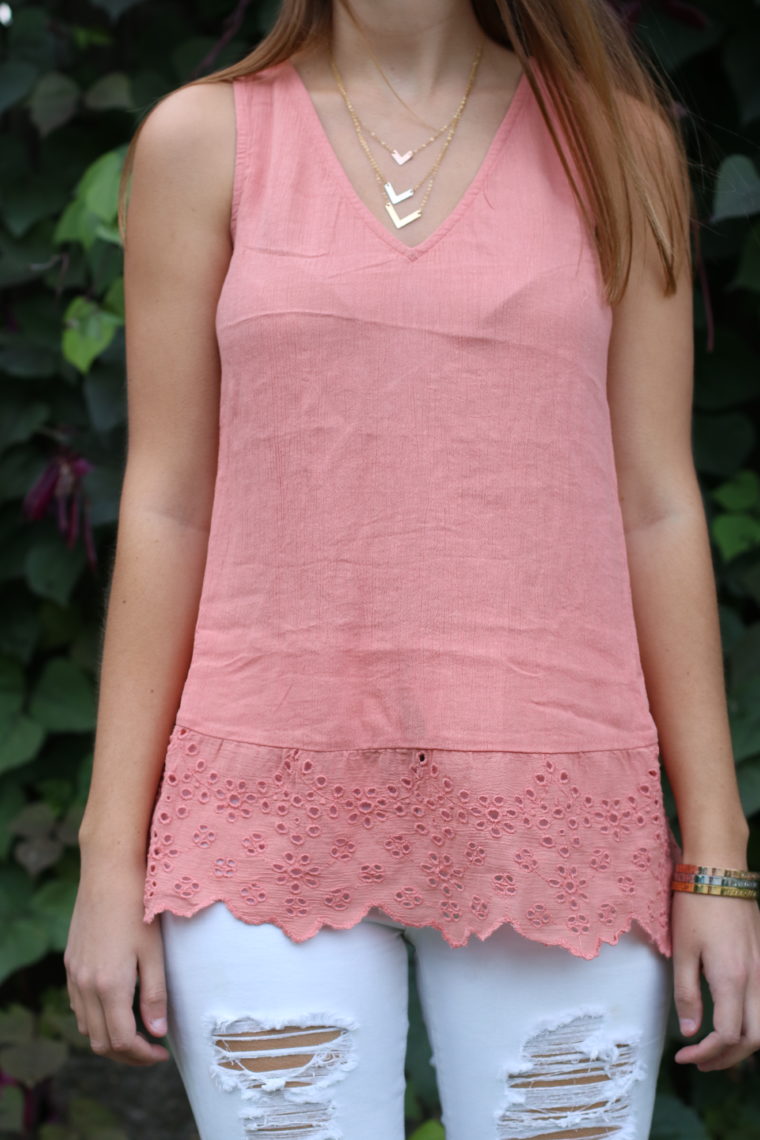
[568, 848]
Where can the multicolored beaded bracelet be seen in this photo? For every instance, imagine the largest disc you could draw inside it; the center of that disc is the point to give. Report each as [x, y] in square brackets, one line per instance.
[725, 881]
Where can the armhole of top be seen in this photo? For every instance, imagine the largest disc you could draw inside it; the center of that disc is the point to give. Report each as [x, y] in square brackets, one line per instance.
[241, 94]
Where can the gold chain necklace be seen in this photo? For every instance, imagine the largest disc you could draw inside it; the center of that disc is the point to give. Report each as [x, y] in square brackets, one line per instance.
[392, 197]
[393, 151]
[408, 154]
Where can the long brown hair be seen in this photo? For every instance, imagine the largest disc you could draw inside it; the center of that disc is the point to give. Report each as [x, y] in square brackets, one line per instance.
[614, 109]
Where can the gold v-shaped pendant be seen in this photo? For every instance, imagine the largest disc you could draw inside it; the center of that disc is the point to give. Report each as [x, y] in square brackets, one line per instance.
[399, 222]
[394, 197]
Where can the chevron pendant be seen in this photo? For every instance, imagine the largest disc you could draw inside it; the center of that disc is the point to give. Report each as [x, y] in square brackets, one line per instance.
[394, 197]
[399, 222]
[401, 158]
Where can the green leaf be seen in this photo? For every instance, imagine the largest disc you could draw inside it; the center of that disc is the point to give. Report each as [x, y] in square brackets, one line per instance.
[735, 534]
[737, 193]
[106, 398]
[114, 298]
[432, 1130]
[53, 101]
[14, 160]
[11, 1109]
[54, 902]
[14, 893]
[748, 275]
[111, 91]
[29, 200]
[732, 627]
[64, 698]
[16, 81]
[20, 420]
[418, 1051]
[77, 223]
[89, 37]
[99, 185]
[23, 941]
[744, 659]
[413, 1111]
[16, 1024]
[744, 713]
[12, 800]
[750, 581]
[742, 493]
[58, 625]
[26, 360]
[104, 488]
[24, 259]
[56, 1018]
[88, 330]
[31, 38]
[86, 647]
[19, 468]
[52, 568]
[57, 1132]
[35, 819]
[93, 1121]
[674, 1120]
[748, 776]
[20, 743]
[11, 690]
[105, 261]
[115, 8]
[740, 57]
[33, 1061]
[108, 233]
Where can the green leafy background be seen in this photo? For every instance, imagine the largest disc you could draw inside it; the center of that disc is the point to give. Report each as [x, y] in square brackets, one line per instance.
[75, 78]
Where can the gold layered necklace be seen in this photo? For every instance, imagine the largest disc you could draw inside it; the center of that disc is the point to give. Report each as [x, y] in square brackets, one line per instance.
[392, 196]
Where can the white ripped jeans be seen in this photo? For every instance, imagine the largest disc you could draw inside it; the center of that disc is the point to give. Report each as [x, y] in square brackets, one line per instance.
[306, 1041]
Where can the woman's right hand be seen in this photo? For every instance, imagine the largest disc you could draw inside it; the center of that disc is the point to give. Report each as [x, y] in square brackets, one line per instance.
[109, 946]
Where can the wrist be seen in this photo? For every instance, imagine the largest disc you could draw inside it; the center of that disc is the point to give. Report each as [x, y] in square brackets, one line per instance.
[118, 852]
[730, 852]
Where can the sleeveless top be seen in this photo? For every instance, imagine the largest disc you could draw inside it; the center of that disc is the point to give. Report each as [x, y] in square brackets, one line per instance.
[415, 680]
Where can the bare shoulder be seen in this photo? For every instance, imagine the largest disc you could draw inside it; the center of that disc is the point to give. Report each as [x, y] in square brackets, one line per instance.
[184, 155]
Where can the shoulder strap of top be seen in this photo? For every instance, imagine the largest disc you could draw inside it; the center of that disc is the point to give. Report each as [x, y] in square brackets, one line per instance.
[253, 121]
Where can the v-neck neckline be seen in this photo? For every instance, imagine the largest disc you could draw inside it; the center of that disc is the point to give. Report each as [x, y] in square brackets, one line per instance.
[330, 157]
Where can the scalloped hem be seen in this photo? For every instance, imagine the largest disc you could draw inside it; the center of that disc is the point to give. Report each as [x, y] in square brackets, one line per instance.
[187, 908]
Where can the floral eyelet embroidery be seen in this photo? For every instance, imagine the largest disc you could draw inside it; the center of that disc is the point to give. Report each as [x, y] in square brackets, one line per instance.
[295, 838]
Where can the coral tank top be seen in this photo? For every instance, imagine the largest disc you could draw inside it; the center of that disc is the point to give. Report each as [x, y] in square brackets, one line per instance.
[415, 681]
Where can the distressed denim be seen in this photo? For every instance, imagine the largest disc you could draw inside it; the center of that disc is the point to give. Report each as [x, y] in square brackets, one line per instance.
[306, 1040]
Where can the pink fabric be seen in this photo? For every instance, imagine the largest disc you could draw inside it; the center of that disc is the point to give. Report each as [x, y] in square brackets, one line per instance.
[416, 546]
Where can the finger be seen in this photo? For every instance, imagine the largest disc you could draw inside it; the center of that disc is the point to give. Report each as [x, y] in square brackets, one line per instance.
[77, 1006]
[728, 1007]
[750, 1038]
[153, 1002]
[687, 993]
[126, 1044]
[95, 1021]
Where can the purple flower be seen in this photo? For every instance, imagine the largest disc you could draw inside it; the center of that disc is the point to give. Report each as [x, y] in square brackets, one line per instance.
[61, 486]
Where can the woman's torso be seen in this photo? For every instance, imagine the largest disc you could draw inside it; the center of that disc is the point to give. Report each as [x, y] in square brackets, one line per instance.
[416, 537]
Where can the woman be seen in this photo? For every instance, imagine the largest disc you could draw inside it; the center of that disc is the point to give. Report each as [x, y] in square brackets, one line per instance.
[409, 339]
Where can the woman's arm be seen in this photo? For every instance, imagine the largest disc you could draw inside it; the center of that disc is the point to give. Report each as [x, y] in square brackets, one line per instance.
[650, 387]
[177, 251]
[650, 390]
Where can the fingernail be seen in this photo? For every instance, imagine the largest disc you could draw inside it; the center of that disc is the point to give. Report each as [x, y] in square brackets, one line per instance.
[159, 1026]
[688, 1026]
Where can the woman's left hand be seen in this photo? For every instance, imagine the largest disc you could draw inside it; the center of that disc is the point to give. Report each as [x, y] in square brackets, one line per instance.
[720, 936]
